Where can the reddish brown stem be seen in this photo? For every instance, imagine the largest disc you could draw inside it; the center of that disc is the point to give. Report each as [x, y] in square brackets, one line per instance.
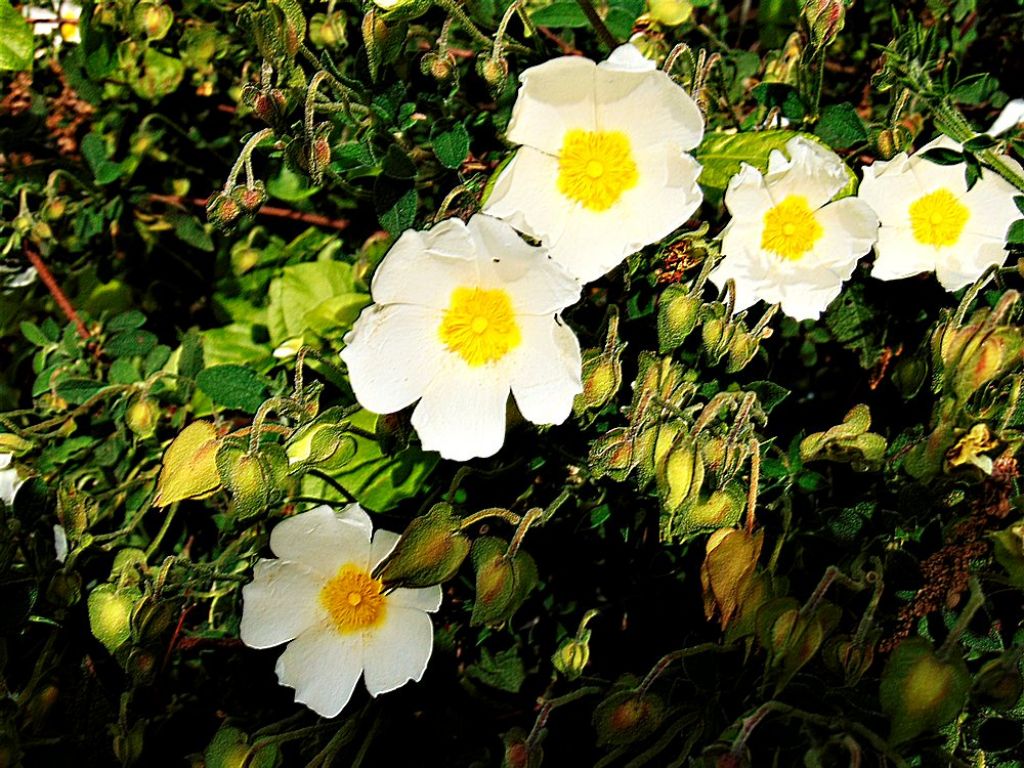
[267, 210]
[55, 290]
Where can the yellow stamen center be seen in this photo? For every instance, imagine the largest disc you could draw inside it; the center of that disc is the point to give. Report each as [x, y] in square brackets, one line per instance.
[595, 167]
[480, 325]
[938, 218]
[790, 228]
[353, 600]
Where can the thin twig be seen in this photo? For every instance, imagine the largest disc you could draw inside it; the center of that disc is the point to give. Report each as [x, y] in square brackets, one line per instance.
[267, 210]
[55, 290]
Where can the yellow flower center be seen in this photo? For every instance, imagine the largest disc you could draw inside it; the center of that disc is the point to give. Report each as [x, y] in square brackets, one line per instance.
[480, 325]
[938, 218]
[353, 600]
[595, 167]
[790, 228]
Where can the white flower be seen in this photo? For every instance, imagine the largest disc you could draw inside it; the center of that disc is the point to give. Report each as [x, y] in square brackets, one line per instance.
[44, 22]
[465, 313]
[603, 169]
[1011, 116]
[786, 243]
[321, 598]
[10, 482]
[931, 222]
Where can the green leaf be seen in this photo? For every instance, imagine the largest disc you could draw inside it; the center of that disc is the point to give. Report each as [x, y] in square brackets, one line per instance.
[504, 670]
[721, 154]
[318, 297]
[840, 126]
[395, 204]
[76, 390]
[94, 150]
[377, 481]
[190, 358]
[975, 89]
[16, 43]
[452, 146]
[130, 343]
[189, 230]
[783, 96]
[769, 394]
[563, 15]
[233, 386]
[1015, 236]
[126, 321]
[943, 156]
[35, 334]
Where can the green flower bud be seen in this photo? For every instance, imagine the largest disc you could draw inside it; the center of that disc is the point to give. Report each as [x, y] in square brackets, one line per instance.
[247, 476]
[142, 416]
[680, 475]
[54, 209]
[670, 13]
[494, 72]
[519, 753]
[627, 716]
[430, 551]
[318, 442]
[572, 656]
[678, 312]
[328, 31]
[999, 684]
[502, 583]
[222, 211]
[440, 66]
[110, 615]
[602, 376]
[742, 347]
[825, 19]
[153, 20]
[250, 197]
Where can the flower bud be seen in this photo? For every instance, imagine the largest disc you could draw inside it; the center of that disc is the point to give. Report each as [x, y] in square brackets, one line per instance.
[999, 684]
[189, 468]
[151, 618]
[153, 20]
[142, 416]
[628, 716]
[520, 753]
[250, 197]
[987, 358]
[572, 656]
[825, 19]
[440, 66]
[430, 551]
[680, 475]
[247, 476]
[54, 209]
[602, 377]
[502, 582]
[222, 211]
[493, 71]
[716, 333]
[611, 455]
[110, 615]
[320, 441]
[328, 31]
[678, 312]
[670, 13]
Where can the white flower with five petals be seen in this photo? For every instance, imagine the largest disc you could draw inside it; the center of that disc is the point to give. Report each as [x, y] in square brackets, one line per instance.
[464, 314]
[603, 169]
[321, 598]
[786, 242]
[931, 222]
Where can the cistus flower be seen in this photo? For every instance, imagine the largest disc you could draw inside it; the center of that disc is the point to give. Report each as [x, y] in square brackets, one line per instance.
[603, 169]
[786, 242]
[10, 481]
[321, 599]
[931, 222]
[464, 314]
[64, 22]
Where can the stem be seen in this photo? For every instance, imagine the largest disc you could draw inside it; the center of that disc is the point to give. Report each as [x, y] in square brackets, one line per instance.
[553, 507]
[55, 290]
[550, 704]
[484, 514]
[955, 124]
[524, 525]
[168, 519]
[974, 604]
[666, 661]
[755, 480]
[499, 36]
[455, 10]
[315, 219]
[243, 158]
[603, 33]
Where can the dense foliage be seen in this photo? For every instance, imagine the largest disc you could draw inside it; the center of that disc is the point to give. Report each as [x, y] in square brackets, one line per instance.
[756, 541]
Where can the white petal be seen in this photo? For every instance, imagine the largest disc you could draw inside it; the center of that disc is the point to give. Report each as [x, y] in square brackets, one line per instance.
[809, 299]
[526, 196]
[392, 354]
[990, 202]
[425, 599]
[890, 188]
[747, 195]
[398, 650]
[60, 543]
[555, 97]
[850, 229]
[546, 372]
[961, 265]
[323, 667]
[668, 113]
[423, 268]
[813, 171]
[5, 460]
[734, 268]
[899, 255]
[932, 176]
[535, 283]
[281, 602]
[462, 413]
[383, 543]
[666, 195]
[1011, 116]
[323, 539]
[627, 58]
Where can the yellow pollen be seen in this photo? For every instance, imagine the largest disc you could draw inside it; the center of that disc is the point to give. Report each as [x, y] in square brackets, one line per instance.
[353, 600]
[480, 325]
[790, 228]
[938, 218]
[595, 167]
